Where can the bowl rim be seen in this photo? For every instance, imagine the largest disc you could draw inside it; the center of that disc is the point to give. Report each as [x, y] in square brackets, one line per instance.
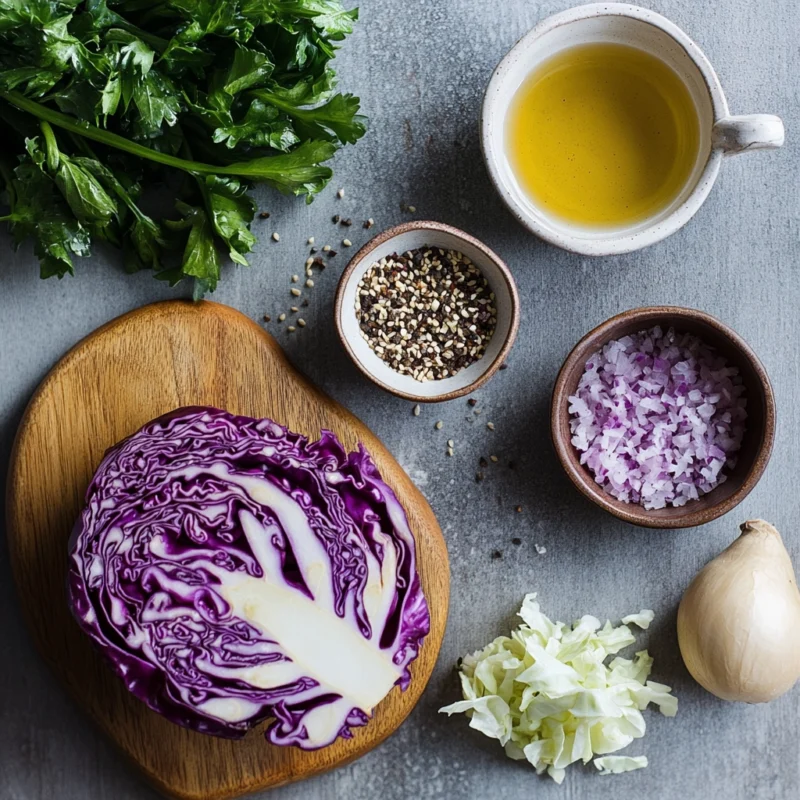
[634, 513]
[429, 225]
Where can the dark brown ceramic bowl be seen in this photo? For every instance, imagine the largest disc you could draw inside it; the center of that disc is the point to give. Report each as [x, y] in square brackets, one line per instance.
[410, 236]
[758, 437]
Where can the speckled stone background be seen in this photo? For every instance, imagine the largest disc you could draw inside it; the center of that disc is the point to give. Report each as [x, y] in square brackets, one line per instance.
[420, 67]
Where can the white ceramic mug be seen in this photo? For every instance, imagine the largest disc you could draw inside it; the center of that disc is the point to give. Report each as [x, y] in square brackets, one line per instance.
[720, 133]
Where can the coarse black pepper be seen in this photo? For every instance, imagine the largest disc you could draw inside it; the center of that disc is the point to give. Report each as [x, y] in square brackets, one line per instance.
[428, 313]
[496, 554]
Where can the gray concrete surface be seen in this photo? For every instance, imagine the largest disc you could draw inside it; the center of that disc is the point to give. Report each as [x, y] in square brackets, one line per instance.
[420, 67]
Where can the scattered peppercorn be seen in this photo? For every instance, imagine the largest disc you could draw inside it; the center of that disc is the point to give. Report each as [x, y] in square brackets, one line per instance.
[482, 462]
[504, 366]
[331, 254]
[496, 554]
[266, 318]
[472, 402]
[336, 219]
[347, 222]
[517, 541]
[304, 304]
[264, 215]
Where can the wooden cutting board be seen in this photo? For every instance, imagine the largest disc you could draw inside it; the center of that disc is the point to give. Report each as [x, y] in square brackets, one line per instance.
[135, 368]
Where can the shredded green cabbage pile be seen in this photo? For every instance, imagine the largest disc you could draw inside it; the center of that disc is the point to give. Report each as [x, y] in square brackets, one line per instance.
[546, 694]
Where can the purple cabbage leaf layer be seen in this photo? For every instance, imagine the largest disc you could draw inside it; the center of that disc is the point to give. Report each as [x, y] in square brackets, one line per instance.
[232, 571]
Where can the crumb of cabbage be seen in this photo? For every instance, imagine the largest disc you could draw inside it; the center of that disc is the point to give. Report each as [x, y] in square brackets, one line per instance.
[547, 695]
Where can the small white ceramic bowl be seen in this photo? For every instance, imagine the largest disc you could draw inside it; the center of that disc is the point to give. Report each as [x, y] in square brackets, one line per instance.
[720, 133]
[410, 236]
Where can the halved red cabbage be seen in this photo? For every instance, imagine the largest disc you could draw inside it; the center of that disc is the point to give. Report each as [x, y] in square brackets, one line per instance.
[232, 571]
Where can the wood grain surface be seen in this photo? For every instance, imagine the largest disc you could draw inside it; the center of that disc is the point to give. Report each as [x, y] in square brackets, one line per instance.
[135, 368]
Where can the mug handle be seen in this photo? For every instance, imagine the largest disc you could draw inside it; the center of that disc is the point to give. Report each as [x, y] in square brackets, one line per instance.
[736, 135]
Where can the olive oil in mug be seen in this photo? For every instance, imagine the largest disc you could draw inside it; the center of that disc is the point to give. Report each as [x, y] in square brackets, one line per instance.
[603, 135]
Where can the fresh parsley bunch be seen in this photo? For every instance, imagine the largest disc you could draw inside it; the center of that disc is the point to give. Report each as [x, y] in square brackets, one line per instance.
[102, 99]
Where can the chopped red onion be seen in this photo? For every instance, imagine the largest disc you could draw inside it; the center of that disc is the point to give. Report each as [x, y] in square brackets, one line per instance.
[657, 418]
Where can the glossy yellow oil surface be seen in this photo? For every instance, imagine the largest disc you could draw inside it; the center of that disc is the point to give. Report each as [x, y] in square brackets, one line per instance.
[603, 135]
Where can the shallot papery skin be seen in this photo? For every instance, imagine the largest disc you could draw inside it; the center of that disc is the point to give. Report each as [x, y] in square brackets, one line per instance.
[658, 417]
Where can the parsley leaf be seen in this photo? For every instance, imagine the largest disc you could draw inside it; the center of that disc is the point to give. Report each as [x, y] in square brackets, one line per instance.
[261, 126]
[336, 119]
[39, 212]
[200, 256]
[104, 95]
[232, 211]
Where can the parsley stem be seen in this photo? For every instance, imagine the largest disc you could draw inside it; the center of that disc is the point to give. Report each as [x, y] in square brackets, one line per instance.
[268, 169]
[103, 137]
[51, 146]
